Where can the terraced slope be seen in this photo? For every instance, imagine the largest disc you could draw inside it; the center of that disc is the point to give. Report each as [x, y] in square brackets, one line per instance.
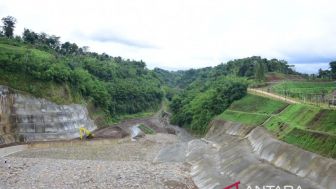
[24, 118]
[309, 127]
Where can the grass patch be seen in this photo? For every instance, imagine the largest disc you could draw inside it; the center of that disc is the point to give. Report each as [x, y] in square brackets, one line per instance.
[299, 115]
[277, 126]
[258, 104]
[25, 50]
[316, 142]
[146, 130]
[60, 94]
[243, 117]
[119, 118]
[324, 120]
[304, 87]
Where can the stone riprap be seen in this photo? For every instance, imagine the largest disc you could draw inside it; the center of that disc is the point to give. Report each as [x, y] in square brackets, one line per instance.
[24, 118]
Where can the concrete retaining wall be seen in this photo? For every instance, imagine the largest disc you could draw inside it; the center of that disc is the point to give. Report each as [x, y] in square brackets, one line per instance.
[24, 118]
[293, 159]
[234, 152]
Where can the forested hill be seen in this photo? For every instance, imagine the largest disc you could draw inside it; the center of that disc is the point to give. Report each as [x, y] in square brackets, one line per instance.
[197, 95]
[246, 67]
[40, 64]
[65, 73]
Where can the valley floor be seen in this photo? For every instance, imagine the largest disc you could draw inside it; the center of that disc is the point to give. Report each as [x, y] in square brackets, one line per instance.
[119, 163]
[170, 158]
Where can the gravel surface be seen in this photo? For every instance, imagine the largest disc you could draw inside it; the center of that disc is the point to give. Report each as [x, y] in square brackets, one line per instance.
[123, 164]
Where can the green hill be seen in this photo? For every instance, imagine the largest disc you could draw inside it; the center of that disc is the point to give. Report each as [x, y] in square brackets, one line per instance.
[110, 86]
[309, 127]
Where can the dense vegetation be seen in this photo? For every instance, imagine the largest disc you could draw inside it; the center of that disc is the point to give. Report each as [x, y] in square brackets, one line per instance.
[196, 106]
[252, 68]
[308, 127]
[114, 86]
[111, 86]
[197, 95]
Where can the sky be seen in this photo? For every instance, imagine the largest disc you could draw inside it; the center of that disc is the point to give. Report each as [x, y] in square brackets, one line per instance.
[182, 34]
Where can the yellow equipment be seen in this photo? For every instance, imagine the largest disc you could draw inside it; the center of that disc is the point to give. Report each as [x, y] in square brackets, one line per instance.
[85, 133]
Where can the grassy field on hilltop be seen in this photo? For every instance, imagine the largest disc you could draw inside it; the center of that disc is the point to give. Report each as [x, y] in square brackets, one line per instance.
[298, 88]
[309, 127]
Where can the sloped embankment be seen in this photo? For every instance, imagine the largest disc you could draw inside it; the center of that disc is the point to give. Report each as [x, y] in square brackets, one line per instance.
[233, 152]
[24, 118]
[308, 127]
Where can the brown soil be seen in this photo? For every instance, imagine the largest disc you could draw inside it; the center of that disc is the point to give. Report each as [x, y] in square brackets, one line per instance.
[273, 77]
[110, 132]
[121, 129]
[118, 130]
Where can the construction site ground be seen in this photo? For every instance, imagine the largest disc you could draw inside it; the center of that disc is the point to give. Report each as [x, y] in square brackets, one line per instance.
[111, 160]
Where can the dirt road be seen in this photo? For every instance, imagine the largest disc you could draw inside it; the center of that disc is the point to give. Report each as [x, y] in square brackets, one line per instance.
[271, 95]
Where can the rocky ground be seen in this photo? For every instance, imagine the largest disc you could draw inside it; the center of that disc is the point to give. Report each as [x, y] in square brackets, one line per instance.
[123, 164]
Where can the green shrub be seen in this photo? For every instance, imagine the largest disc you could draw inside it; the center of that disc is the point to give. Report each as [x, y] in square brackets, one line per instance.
[146, 130]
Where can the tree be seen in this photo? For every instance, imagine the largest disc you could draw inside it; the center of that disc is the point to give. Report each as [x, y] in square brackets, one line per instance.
[333, 69]
[69, 48]
[259, 71]
[324, 74]
[9, 25]
[30, 36]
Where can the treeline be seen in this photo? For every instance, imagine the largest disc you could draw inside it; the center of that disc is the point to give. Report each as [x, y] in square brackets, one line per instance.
[116, 85]
[247, 67]
[46, 42]
[252, 67]
[329, 74]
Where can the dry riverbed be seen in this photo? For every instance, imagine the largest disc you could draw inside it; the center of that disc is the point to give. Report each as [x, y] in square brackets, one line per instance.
[119, 164]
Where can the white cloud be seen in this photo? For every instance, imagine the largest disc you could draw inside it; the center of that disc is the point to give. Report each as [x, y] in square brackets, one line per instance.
[310, 68]
[187, 33]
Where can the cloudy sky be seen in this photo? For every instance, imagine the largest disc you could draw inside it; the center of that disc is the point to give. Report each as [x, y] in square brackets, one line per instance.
[181, 34]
